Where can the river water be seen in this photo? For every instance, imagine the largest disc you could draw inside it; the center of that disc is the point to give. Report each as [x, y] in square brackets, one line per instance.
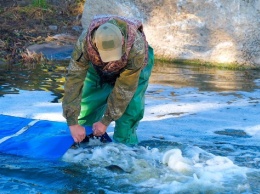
[224, 161]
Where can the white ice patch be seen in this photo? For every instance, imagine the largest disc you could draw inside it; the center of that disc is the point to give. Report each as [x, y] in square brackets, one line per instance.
[253, 131]
[31, 104]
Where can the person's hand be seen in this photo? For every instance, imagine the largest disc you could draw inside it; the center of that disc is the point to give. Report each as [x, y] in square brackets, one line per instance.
[78, 133]
[99, 129]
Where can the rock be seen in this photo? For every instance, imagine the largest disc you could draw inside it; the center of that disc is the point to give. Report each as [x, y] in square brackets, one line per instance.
[217, 31]
[53, 51]
[53, 27]
[77, 28]
[22, 3]
[57, 47]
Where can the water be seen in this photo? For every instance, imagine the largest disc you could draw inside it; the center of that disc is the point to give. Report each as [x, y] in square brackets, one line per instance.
[45, 77]
[223, 159]
[205, 78]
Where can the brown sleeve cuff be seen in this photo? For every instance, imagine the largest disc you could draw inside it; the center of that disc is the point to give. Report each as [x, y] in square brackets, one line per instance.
[106, 120]
[72, 121]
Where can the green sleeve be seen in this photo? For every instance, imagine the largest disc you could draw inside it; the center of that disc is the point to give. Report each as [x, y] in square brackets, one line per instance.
[75, 77]
[126, 84]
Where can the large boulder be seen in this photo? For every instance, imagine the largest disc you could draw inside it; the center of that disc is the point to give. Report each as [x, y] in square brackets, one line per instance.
[217, 31]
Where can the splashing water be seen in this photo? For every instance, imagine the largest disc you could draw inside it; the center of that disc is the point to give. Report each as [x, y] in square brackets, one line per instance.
[144, 170]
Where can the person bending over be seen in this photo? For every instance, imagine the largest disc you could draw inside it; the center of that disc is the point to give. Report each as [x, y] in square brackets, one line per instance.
[107, 78]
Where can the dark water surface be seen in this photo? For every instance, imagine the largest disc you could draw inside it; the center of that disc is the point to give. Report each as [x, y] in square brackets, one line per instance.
[205, 78]
[91, 171]
[51, 78]
[47, 77]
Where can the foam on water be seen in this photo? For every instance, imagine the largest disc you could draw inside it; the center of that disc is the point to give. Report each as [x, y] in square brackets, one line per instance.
[176, 170]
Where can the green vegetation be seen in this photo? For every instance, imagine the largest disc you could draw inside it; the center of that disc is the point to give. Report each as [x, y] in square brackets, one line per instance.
[40, 4]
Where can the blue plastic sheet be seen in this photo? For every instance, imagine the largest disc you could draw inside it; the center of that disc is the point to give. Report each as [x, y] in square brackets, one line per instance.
[32, 138]
[10, 125]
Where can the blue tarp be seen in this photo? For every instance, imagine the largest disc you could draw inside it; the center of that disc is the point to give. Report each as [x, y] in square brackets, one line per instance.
[33, 138]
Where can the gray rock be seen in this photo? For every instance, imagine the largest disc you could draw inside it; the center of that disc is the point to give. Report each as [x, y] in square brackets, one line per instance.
[58, 47]
[215, 30]
[22, 3]
[53, 51]
[53, 27]
[77, 28]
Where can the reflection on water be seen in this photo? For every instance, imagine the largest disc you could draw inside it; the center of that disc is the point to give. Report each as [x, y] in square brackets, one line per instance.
[51, 78]
[48, 77]
[204, 78]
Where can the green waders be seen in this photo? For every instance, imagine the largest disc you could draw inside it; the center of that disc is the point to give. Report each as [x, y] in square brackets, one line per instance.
[94, 99]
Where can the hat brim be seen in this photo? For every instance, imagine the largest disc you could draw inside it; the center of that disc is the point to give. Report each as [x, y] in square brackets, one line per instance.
[111, 55]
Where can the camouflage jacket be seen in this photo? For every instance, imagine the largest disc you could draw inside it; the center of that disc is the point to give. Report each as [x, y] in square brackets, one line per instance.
[125, 85]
